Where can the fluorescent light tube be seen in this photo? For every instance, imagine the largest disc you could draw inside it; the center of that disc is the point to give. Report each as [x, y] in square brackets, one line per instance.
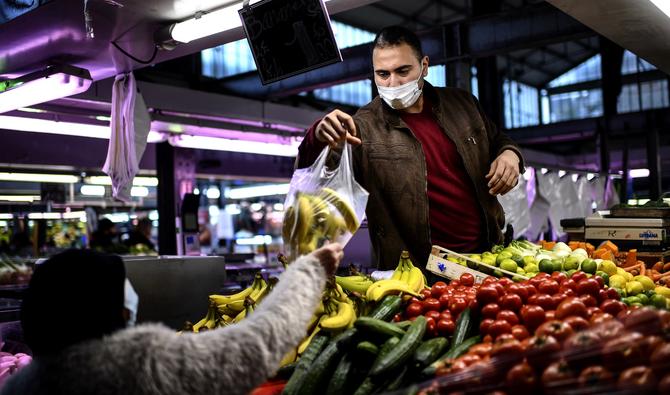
[6, 216]
[34, 177]
[54, 82]
[663, 5]
[139, 191]
[213, 193]
[92, 190]
[207, 23]
[257, 191]
[35, 125]
[44, 216]
[19, 198]
[638, 173]
[137, 181]
[219, 144]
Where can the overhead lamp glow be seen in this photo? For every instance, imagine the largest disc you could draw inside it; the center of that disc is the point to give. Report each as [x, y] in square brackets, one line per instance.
[233, 209]
[590, 176]
[663, 5]
[75, 215]
[153, 215]
[52, 83]
[213, 193]
[256, 206]
[118, 217]
[92, 190]
[48, 126]
[561, 173]
[257, 191]
[220, 144]
[256, 240]
[36, 177]
[575, 177]
[6, 216]
[19, 198]
[139, 191]
[544, 170]
[278, 207]
[205, 24]
[638, 173]
[45, 216]
[137, 181]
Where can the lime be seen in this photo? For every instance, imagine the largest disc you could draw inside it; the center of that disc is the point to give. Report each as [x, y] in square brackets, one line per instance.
[571, 263]
[631, 299]
[658, 301]
[604, 276]
[636, 305]
[502, 256]
[546, 266]
[571, 272]
[531, 268]
[644, 299]
[608, 267]
[589, 266]
[509, 265]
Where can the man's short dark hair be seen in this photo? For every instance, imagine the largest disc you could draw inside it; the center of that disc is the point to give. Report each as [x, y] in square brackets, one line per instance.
[392, 36]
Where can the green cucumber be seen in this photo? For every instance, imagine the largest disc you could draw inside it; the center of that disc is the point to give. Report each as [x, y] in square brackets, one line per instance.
[397, 382]
[325, 362]
[451, 354]
[463, 325]
[341, 376]
[371, 384]
[403, 350]
[404, 325]
[379, 327]
[368, 347]
[389, 307]
[429, 351]
[307, 358]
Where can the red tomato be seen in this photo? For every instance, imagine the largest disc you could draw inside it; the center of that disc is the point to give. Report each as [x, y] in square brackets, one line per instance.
[425, 293]
[591, 311]
[541, 350]
[612, 306]
[488, 339]
[414, 299]
[557, 299]
[467, 279]
[489, 280]
[445, 327]
[567, 293]
[519, 289]
[530, 288]
[498, 327]
[520, 332]
[548, 287]
[473, 304]
[481, 349]
[487, 294]
[499, 288]
[484, 326]
[438, 289]
[558, 329]
[588, 286]
[521, 379]
[577, 323]
[569, 283]
[532, 299]
[613, 294]
[397, 317]
[550, 315]
[602, 295]
[559, 277]
[430, 326]
[457, 305]
[599, 318]
[544, 301]
[445, 315]
[509, 316]
[558, 375]
[444, 301]
[569, 307]
[454, 283]
[490, 310]
[600, 280]
[505, 282]
[532, 316]
[578, 276]
[435, 315]
[589, 300]
[414, 310]
[506, 353]
[511, 302]
[431, 304]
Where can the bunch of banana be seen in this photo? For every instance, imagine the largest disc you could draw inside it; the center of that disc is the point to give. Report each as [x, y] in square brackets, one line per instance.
[408, 273]
[311, 219]
[381, 288]
[356, 283]
[209, 322]
[341, 315]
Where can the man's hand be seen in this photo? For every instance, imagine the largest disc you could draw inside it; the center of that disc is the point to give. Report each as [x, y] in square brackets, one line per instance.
[504, 173]
[336, 127]
[330, 256]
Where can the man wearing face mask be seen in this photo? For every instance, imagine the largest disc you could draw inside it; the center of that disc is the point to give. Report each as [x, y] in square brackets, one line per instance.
[430, 158]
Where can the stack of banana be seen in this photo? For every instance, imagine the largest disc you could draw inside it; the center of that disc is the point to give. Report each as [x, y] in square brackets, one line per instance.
[406, 278]
[230, 309]
[311, 220]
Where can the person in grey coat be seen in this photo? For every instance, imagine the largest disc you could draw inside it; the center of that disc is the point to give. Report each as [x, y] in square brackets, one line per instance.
[73, 320]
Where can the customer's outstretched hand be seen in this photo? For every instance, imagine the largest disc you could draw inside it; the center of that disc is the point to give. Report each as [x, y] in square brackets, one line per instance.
[330, 256]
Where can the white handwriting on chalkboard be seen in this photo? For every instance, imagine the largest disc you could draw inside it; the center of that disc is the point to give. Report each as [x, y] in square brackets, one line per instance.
[273, 17]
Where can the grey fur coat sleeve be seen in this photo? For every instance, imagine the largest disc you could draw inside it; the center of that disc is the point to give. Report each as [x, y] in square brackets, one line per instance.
[152, 359]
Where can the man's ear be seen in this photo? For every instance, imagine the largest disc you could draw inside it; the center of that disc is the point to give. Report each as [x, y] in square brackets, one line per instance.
[425, 62]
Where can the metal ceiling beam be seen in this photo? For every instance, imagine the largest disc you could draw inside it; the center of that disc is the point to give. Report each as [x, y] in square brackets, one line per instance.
[529, 27]
[644, 76]
[391, 11]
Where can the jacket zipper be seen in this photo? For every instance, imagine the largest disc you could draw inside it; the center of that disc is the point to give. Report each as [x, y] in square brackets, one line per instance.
[425, 183]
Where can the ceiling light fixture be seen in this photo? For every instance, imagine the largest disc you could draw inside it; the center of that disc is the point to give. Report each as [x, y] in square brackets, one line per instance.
[52, 83]
[92, 190]
[19, 198]
[34, 177]
[638, 173]
[663, 5]
[257, 191]
[219, 144]
[137, 181]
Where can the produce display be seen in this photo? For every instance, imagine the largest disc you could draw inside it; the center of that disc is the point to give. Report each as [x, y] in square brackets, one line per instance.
[14, 271]
[578, 324]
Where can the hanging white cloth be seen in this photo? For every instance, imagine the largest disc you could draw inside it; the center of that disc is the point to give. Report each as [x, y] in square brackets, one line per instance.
[130, 126]
[515, 205]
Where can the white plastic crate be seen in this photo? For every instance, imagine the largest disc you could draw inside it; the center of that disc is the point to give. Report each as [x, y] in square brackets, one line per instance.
[439, 264]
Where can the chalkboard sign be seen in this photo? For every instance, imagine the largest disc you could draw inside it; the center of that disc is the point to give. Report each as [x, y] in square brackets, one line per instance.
[289, 37]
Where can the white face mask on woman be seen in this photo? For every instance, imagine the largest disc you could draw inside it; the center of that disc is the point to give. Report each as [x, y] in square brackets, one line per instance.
[402, 96]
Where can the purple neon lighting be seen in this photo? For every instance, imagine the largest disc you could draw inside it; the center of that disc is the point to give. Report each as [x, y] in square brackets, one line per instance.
[237, 121]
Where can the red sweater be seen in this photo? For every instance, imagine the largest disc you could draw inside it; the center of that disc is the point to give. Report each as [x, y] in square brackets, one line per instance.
[455, 217]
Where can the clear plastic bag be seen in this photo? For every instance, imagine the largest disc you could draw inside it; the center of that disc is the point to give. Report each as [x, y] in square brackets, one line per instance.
[323, 205]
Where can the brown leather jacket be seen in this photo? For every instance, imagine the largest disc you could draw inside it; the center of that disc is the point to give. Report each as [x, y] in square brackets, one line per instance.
[390, 164]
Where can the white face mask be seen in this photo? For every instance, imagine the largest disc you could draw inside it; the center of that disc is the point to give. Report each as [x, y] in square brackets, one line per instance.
[403, 96]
